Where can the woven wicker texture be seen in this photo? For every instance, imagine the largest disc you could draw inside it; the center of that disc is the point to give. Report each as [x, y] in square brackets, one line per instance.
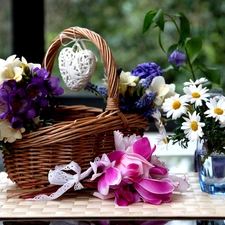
[191, 204]
[80, 134]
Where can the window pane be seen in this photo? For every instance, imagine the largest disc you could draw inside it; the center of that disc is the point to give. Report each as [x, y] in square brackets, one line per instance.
[5, 29]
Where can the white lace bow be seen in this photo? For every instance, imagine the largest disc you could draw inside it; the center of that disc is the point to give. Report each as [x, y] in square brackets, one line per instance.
[59, 176]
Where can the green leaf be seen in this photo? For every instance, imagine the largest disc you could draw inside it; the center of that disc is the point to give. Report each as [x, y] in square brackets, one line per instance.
[148, 20]
[212, 74]
[193, 48]
[160, 41]
[159, 19]
[184, 27]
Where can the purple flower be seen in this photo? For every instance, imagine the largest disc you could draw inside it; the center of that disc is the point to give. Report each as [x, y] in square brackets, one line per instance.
[149, 69]
[36, 91]
[52, 85]
[103, 91]
[19, 102]
[40, 72]
[16, 122]
[4, 104]
[146, 100]
[10, 85]
[176, 58]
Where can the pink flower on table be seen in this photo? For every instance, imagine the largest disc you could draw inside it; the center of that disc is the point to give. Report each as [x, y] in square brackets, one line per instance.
[132, 174]
[134, 166]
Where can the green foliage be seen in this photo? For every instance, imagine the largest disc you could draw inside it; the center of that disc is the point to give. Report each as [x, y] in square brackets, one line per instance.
[193, 48]
[188, 45]
[121, 26]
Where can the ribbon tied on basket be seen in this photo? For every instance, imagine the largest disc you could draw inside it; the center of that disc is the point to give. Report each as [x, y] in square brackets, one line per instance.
[62, 176]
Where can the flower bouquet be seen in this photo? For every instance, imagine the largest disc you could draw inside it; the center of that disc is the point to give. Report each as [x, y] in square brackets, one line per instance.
[198, 114]
[25, 89]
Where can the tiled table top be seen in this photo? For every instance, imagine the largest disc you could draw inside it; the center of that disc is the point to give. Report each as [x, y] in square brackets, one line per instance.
[192, 204]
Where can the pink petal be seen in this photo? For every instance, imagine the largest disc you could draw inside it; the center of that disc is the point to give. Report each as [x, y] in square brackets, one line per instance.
[151, 197]
[132, 173]
[157, 186]
[103, 187]
[124, 196]
[143, 147]
[104, 197]
[113, 176]
[180, 183]
[157, 170]
[115, 155]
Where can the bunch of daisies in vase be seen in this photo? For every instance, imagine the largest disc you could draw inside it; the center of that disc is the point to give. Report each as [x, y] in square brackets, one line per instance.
[198, 113]
[25, 89]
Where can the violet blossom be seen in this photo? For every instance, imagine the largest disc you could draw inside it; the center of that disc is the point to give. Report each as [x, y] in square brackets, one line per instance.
[149, 69]
[177, 58]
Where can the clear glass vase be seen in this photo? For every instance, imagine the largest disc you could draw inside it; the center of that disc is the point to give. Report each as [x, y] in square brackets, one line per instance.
[211, 172]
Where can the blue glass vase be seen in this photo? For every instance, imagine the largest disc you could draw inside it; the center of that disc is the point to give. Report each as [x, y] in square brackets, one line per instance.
[211, 172]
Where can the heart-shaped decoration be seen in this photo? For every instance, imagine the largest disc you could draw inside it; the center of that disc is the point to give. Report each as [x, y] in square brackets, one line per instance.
[76, 68]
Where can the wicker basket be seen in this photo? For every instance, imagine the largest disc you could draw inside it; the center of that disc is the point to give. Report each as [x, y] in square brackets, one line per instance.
[81, 134]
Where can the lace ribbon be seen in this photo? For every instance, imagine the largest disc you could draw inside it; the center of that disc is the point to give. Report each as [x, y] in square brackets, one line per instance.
[59, 176]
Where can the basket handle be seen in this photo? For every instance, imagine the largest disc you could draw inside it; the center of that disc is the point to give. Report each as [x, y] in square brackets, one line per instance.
[100, 43]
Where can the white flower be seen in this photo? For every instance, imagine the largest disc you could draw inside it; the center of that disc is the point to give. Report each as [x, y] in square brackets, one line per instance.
[193, 127]
[13, 68]
[196, 94]
[30, 65]
[126, 79]
[7, 68]
[162, 141]
[202, 80]
[124, 143]
[158, 119]
[163, 90]
[175, 106]
[216, 109]
[7, 133]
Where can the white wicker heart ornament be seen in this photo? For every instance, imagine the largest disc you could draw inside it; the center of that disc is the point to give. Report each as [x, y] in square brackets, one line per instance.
[76, 66]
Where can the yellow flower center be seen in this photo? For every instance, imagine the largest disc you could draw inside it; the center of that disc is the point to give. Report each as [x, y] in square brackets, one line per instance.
[195, 95]
[165, 141]
[218, 111]
[194, 125]
[176, 104]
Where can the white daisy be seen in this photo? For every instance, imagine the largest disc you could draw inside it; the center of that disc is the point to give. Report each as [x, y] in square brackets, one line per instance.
[175, 106]
[216, 109]
[197, 82]
[193, 127]
[162, 141]
[196, 94]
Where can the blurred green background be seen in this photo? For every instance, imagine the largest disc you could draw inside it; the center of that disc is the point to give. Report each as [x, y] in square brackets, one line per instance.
[120, 24]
